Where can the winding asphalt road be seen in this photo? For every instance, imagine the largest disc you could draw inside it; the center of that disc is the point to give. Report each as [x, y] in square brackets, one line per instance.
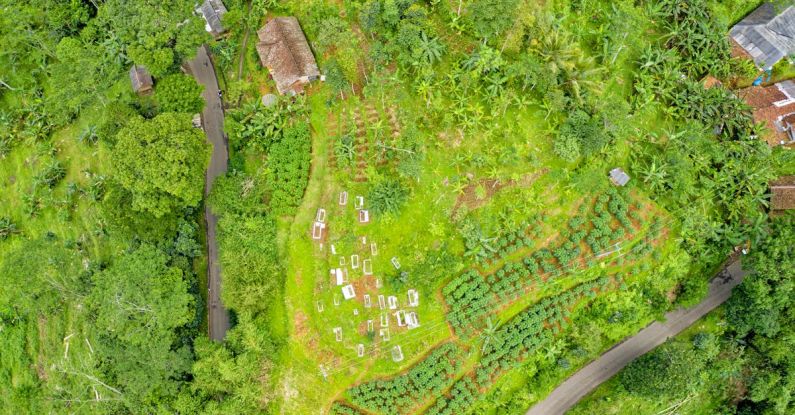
[588, 378]
[213, 123]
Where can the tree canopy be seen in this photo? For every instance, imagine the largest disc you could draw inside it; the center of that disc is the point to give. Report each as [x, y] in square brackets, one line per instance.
[160, 161]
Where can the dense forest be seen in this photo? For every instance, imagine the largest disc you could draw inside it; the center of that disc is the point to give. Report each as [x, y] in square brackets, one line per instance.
[478, 134]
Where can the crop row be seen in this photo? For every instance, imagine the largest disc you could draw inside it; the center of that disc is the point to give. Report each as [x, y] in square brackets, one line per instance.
[471, 296]
[401, 393]
[514, 342]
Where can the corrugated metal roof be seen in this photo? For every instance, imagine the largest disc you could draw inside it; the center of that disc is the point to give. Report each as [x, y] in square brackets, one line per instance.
[211, 11]
[619, 177]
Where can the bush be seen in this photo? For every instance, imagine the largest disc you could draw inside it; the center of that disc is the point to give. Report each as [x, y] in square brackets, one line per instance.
[387, 196]
[179, 93]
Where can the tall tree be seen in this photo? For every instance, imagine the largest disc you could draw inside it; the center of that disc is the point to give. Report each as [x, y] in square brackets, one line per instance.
[161, 162]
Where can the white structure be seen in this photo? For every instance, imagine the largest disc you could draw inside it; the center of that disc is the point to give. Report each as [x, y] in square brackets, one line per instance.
[336, 299]
[333, 250]
[397, 354]
[359, 203]
[384, 333]
[319, 307]
[355, 311]
[360, 350]
[400, 317]
[413, 297]
[355, 261]
[378, 283]
[393, 303]
[343, 198]
[412, 321]
[367, 267]
[342, 261]
[384, 320]
[347, 292]
[381, 302]
[338, 333]
[367, 302]
[370, 326]
[395, 262]
[364, 216]
[373, 249]
[317, 230]
[338, 276]
[321, 215]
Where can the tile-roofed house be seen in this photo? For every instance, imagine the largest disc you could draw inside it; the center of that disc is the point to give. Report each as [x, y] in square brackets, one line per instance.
[773, 105]
[782, 193]
[767, 34]
[212, 11]
[619, 177]
[141, 79]
[283, 49]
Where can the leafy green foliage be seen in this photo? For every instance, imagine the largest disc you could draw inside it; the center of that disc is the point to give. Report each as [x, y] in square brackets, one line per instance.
[668, 371]
[387, 196]
[490, 18]
[179, 93]
[399, 394]
[250, 262]
[161, 162]
[288, 169]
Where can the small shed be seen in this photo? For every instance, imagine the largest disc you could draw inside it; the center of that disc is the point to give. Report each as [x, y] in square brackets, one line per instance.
[782, 191]
[141, 80]
[283, 49]
[619, 177]
[212, 11]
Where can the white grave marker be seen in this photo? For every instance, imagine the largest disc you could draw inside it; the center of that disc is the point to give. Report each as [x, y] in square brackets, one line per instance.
[360, 350]
[370, 326]
[393, 302]
[348, 292]
[319, 307]
[373, 249]
[412, 321]
[317, 230]
[321, 216]
[338, 333]
[414, 298]
[395, 262]
[364, 216]
[359, 203]
[381, 302]
[397, 354]
[355, 261]
[384, 320]
[384, 334]
[367, 303]
[399, 315]
[367, 267]
[343, 198]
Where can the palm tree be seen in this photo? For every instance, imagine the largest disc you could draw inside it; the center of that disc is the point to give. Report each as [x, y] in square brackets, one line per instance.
[431, 49]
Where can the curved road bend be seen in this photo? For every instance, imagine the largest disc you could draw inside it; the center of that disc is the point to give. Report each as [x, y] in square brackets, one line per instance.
[568, 393]
[213, 123]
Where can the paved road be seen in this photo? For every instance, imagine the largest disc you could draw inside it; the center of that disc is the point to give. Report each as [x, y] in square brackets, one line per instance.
[213, 122]
[588, 378]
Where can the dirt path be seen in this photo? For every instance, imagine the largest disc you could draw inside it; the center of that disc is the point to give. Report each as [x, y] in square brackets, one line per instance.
[588, 378]
[213, 122]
